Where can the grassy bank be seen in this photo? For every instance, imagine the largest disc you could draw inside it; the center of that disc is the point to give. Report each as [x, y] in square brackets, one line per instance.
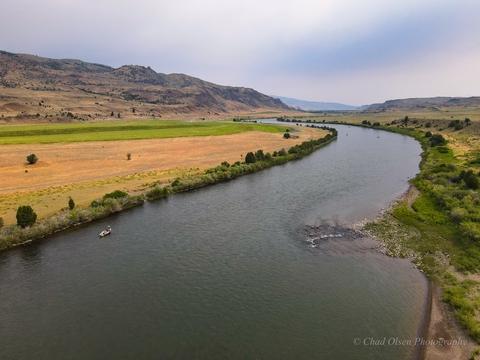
[439, 227]
[14, 235]
[123, 130]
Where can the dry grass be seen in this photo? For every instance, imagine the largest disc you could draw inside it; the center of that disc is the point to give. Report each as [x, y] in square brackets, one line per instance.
[86, 171]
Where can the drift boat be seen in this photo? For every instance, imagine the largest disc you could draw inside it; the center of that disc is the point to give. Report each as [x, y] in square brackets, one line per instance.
[105, 232]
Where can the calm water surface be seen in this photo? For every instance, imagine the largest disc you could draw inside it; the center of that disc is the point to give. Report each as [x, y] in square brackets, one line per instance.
[224, 272]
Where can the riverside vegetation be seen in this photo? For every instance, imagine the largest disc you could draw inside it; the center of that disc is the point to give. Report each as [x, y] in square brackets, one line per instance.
[439, 229]
[116, 201]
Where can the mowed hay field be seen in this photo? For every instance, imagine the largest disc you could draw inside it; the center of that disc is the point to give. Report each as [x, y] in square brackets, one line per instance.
[123, 130]
[86, 170]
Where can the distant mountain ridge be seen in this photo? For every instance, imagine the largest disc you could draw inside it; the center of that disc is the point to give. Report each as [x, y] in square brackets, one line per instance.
[432, 103]
[86, 88]
[308, 105]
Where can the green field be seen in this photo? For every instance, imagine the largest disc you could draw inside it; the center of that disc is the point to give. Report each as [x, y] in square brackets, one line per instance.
[123, 130]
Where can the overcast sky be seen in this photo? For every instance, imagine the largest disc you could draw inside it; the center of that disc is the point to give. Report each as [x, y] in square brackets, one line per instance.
[352, 51]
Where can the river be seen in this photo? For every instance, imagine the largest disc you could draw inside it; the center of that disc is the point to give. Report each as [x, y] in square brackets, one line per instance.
[227, 272]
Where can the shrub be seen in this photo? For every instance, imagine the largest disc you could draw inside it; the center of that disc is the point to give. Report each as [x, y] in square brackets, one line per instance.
[32, 159]
[471, 230]
[428, 134]
[158, 192]
[437, 139]
[26, 216]
[250, 158]
[71, 204]
[1, 222]
[282, 152]
[259, 155]
[129, 156]
[176, 182]
[117, 194]
[286, 135]
[112, 205]
[458, 214]
[471, 180]
[95, 204]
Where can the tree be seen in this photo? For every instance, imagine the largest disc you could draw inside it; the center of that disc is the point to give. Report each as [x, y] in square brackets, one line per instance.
[71, 204]
[250, 158]
[286, 135]
[1, 222]
[117, 194]
[118, 115]
[282, 152]
[129, 156]
[259, 155]
[428, 134]
[32, 159]
[26, 216]
[437, 139]
[471, 180]
[112, 114]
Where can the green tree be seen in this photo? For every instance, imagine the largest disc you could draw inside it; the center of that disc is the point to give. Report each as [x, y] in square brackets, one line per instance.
[26, 216]
[250, 158]
[32, 159]
[71, 204]
[437, 139]
[117, 194]
[286, 135]
[1, 222]
[471, 180]
[259, 155]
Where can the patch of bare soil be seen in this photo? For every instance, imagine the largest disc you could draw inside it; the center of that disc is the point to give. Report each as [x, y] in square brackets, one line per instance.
[446, 340]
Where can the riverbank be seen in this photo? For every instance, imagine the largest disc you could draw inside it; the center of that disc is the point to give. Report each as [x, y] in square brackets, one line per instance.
[12, 235]
[436, 232]
[86, 170]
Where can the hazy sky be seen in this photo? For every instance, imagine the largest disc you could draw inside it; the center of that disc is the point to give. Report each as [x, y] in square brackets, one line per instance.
[352, 51]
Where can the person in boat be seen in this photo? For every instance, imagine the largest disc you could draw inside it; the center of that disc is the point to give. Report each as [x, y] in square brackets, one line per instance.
[105, 232]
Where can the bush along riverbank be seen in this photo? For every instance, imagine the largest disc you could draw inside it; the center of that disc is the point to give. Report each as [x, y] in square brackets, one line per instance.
[437, 223]
[14, 235]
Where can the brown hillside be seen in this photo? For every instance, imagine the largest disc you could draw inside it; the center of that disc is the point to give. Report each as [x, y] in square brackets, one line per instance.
[38, 88]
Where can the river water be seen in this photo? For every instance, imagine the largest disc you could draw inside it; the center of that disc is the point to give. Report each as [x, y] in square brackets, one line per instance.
[227, 272]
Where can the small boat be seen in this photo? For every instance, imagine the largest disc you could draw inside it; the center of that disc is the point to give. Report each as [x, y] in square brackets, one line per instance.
[105, 232]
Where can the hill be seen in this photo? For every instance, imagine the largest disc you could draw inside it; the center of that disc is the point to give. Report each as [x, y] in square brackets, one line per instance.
[307, 105]
[422, 104]
[52, 89]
